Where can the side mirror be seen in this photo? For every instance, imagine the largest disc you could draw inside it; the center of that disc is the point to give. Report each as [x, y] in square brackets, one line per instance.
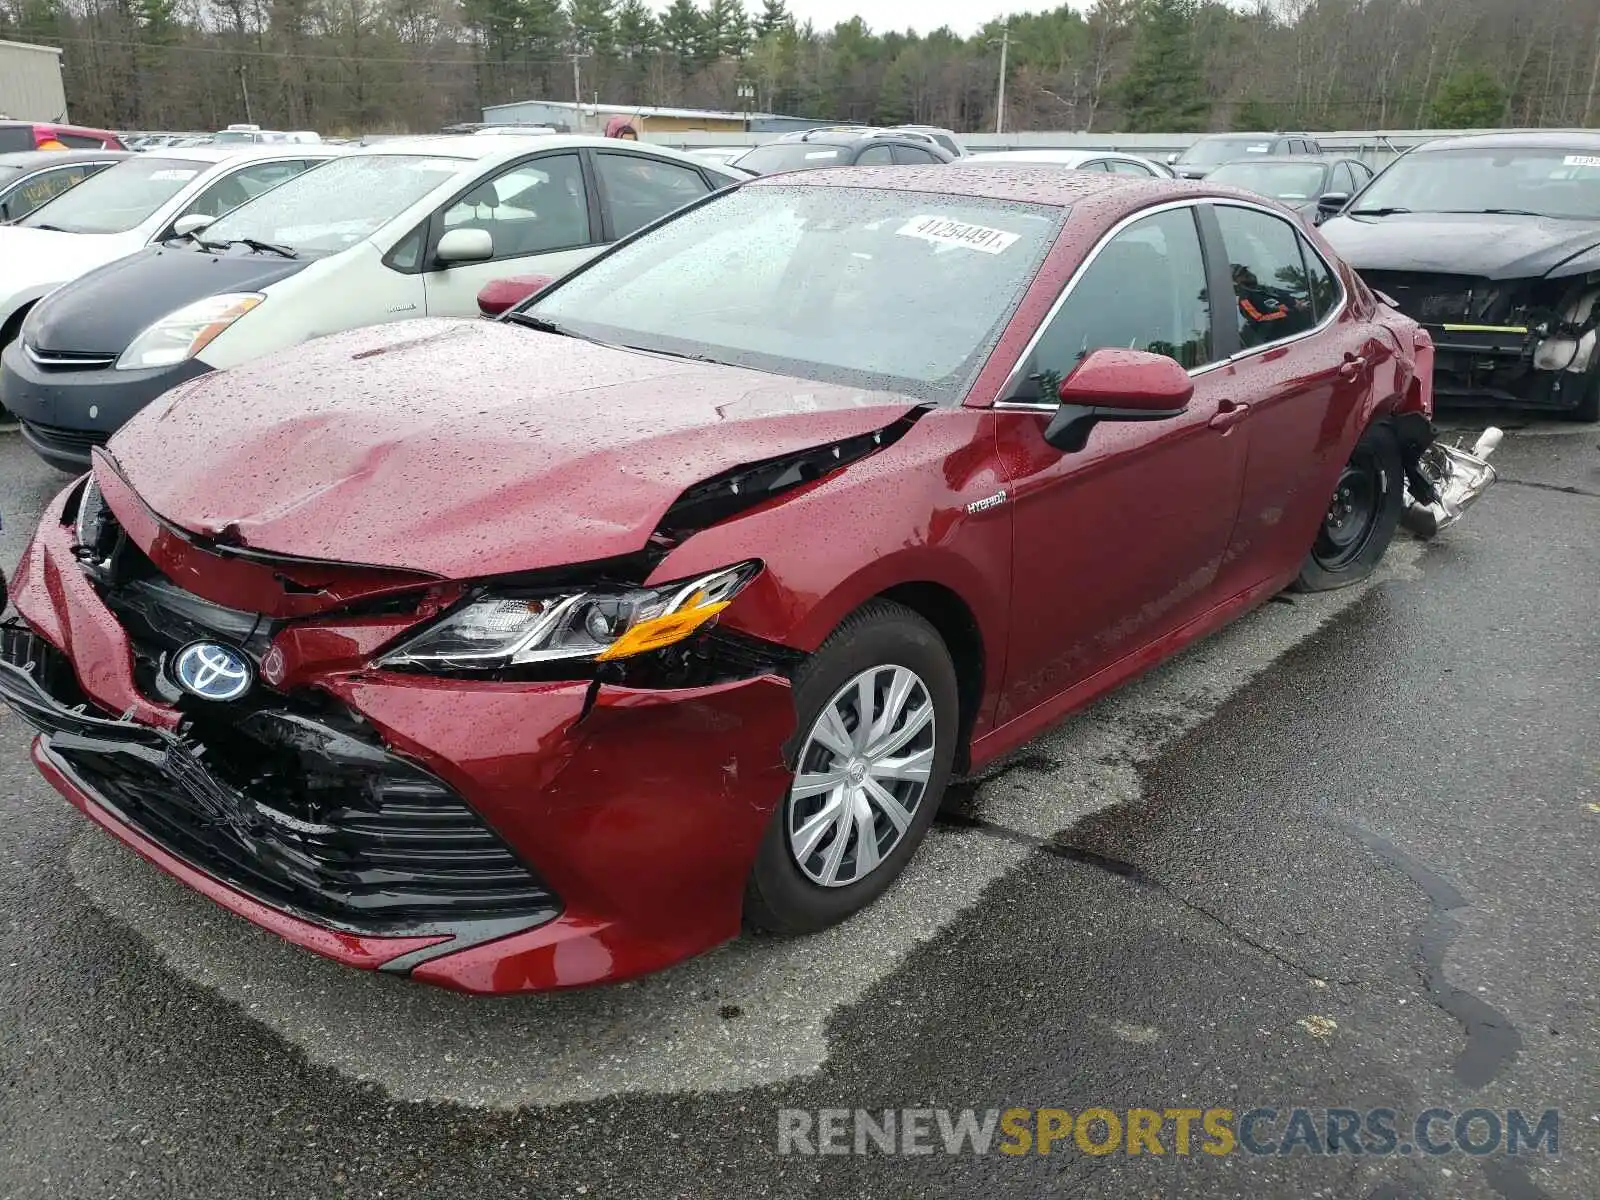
[1116, 385]
[192, 223]
[1171, 159]
[464, 246]
[1331, 202]
[501, 294]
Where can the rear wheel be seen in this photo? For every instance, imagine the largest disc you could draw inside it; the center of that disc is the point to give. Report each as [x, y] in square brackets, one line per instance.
[877, 706]
[1361, 516]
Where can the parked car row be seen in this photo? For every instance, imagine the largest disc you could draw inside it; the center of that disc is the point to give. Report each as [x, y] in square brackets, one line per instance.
[179, 262]
[549, 650]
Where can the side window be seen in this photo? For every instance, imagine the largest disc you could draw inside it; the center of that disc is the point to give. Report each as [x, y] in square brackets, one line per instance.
[1122, 166]
[1324, 284]
[1145, 290]
[1098, 164]
[637, 189]
[406, 257]
[81, 141]
[226, 194]
[875, 156]
[1272, 298]
[534, 208]
[910, 156]
[1344, 179]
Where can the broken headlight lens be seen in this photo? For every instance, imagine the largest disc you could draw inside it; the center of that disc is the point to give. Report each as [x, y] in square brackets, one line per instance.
[596, 625]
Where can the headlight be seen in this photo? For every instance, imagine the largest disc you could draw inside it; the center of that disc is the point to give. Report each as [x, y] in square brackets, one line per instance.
[599, 625]
[181, 335]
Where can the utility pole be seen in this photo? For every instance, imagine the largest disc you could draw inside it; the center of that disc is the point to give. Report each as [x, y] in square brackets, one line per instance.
[244, 88]
[1000, 101]
[577, 57]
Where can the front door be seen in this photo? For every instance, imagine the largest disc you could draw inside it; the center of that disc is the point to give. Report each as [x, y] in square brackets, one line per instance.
[540, 218]
[1121, 542]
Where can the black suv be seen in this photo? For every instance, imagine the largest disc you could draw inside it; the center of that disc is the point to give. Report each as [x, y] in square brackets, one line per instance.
[846, 146]
[1219, 148]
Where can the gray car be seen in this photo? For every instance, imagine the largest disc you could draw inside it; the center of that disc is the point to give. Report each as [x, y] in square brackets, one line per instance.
[35, 177]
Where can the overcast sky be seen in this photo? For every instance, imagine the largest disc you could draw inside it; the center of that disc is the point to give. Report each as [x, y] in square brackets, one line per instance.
[964, 16]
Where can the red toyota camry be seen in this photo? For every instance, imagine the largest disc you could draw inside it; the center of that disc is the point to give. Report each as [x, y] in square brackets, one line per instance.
[529, 653]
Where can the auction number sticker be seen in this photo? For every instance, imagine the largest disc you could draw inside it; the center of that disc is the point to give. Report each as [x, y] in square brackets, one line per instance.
[945, 232]
[1581, 160]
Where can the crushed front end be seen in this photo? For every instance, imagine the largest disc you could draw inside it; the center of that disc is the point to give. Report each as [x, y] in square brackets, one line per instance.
[1523, 342]
[489, 833]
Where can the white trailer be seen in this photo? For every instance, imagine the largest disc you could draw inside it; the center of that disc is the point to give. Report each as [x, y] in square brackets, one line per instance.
[30, 83]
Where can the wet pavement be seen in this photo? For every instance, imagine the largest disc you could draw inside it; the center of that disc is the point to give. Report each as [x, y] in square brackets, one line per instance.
[1342, 855]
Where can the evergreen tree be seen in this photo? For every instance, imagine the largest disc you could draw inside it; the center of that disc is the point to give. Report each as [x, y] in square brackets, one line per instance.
[1163, 90]
[1470, 98]
[726, 30]
[774, 16]
[683, 34]
[637, 31]
[594, 26]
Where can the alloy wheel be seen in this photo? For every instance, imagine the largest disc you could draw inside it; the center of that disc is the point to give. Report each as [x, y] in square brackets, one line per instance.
[863, 770]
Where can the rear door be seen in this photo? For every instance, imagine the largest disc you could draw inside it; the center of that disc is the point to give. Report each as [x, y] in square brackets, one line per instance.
[542, 215]
[1305, 363]
[1121, 542]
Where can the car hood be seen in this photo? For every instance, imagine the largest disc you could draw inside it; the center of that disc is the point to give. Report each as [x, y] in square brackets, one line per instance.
[465, 448]
[31, 257]
[104, 310]
[1485, 245]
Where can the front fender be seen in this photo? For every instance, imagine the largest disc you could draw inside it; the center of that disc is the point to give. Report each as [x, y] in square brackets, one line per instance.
[894, 518]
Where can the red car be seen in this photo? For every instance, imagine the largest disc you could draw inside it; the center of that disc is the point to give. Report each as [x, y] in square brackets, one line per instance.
[19, 136]
[530, 653]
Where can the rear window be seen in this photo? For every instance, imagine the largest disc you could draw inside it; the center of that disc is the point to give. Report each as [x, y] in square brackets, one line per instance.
[14, 138]
[792, 156]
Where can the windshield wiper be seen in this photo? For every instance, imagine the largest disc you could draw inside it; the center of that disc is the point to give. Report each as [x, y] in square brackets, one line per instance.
[1498, 212]
[51, 228]
[539, 323]
[260, 246]
[1376, 212]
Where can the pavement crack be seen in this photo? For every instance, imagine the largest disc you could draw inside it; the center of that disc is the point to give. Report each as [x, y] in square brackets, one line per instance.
[1563, 488]
[1492, 1041]
[1135, 876]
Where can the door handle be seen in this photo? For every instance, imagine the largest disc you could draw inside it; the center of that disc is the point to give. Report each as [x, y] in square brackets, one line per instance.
[1353, 365]
[1229, 414]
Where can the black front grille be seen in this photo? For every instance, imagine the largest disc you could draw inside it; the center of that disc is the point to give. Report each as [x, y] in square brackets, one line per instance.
[303, 808]
[1441, 299]
[76, 441]
[69, 360]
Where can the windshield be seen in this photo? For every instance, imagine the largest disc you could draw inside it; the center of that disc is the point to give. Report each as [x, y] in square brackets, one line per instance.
[902, 291]
[1292, 181]
[791, 156]
[118, 198]
[1208, 152]
[1549, 183]
[328, 208]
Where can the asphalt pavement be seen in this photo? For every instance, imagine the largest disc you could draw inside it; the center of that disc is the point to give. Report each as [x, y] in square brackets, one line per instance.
[1342, 855]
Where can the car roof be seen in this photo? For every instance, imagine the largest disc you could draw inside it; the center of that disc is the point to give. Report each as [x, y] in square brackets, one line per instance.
[1061, 158]
[30, 160]
[1279, 160]
[840, 135]
[1553, 139]
[59, 126]
[1044, 184]
[469, 147]
[226, 153]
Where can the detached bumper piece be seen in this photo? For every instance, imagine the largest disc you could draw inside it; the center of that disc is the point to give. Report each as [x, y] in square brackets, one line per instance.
[1458, 478]
[302, 812]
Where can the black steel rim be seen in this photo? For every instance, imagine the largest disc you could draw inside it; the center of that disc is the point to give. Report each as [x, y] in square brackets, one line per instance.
[1352, 515]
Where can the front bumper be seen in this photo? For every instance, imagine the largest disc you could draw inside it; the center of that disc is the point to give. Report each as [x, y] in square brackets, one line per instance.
[66, 412]
[1492, 365]
[634, 814]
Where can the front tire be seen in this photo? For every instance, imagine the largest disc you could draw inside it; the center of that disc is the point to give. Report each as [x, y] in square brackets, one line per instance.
[1361, 516]
[1588, 408]
[877, 706]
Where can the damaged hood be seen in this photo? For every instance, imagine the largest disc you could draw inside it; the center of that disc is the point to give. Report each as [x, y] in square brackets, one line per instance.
[1485, 245]
[465, 448]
